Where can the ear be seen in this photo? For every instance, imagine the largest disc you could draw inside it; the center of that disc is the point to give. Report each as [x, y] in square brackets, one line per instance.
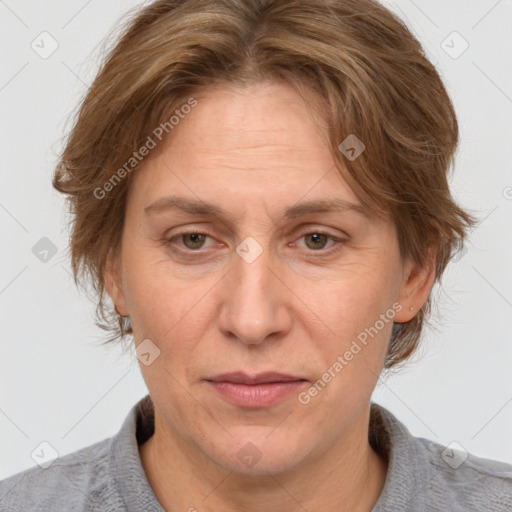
[416, 286]
[113, 283]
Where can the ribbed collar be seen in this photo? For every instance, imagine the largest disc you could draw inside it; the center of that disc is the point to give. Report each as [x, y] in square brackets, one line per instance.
[125, 462]
[409, 473]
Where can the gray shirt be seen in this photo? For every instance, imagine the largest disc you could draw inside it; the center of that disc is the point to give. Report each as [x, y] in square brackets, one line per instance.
[108, 476]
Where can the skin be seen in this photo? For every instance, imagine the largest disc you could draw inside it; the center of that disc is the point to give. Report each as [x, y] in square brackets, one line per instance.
[255, 151]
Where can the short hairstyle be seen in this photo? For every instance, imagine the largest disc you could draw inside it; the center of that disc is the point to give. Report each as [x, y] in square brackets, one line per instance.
[369, 72]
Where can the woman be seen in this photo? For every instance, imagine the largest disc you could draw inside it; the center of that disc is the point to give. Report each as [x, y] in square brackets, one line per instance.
[259, 190]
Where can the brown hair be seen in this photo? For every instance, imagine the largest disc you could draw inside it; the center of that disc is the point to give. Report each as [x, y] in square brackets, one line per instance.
[364, 64]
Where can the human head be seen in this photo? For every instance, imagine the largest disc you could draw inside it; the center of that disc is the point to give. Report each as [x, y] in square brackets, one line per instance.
[370, 75]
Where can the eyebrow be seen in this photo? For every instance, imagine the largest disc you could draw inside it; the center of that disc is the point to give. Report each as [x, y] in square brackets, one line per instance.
[198, 207]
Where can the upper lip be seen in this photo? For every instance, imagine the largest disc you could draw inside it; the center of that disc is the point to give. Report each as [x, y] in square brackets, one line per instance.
[260, 378]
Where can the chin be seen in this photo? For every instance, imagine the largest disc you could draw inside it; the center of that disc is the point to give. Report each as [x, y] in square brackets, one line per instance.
[251, 453]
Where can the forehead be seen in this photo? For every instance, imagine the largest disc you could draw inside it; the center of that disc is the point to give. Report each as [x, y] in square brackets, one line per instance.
[252, 143]
[270, 121]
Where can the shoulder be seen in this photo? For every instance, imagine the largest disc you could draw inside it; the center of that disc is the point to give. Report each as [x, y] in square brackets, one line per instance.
[467, 481]
[78, 481]
[423, 475]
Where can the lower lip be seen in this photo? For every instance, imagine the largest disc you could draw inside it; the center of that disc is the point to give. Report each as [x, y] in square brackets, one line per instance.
[256, 395]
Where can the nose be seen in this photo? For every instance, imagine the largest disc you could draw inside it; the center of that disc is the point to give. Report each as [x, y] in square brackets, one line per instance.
[255, 301]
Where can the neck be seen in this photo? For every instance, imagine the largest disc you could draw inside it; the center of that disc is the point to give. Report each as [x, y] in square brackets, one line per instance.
[348, 477]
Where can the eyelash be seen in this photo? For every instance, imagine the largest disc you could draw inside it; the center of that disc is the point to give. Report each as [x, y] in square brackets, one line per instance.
[322, 252]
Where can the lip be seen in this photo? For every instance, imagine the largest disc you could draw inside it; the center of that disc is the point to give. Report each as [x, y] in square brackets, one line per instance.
[260, 378]
[256, 391]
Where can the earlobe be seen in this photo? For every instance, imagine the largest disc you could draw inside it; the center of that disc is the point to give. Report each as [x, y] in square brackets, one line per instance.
[114, 287]
[416, 287]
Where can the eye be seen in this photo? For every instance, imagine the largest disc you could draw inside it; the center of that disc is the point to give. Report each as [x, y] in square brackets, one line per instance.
[317, 241]
[192, 241]
[196, 240]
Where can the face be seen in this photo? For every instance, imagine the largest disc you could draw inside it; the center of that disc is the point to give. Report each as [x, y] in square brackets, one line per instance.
[265, 280]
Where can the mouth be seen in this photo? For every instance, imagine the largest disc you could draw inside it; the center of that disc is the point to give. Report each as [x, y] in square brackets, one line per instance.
[255, 391]
[260, 378]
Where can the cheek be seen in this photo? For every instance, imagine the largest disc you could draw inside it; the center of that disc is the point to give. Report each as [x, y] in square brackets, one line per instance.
[163, 306]
[357, 309]
[353, 302]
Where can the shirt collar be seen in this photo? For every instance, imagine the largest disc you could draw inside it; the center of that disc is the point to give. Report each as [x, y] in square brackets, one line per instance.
[408, 476]
[125, 462]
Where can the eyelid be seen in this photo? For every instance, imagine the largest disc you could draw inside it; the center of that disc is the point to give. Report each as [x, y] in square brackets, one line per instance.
[322, 230]
[309, 229]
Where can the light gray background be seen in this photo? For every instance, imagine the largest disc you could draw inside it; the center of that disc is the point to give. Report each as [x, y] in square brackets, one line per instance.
[58, 385]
